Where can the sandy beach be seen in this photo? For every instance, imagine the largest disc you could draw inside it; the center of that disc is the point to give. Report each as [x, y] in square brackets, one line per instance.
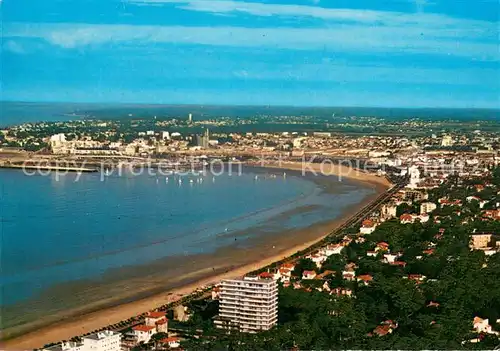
[65, 326]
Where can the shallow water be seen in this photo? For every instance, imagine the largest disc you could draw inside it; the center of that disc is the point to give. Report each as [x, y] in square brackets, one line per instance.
[57, 231]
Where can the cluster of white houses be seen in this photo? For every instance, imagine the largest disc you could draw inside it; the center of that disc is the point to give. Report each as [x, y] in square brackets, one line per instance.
[107, 340]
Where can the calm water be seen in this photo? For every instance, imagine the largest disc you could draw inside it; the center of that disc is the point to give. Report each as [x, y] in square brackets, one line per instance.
[12, 113]
[56, 231]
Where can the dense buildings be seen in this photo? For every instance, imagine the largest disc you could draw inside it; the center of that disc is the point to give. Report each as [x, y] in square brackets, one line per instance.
[249, 304]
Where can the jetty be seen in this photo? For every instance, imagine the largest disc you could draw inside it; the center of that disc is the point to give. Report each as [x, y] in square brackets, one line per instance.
[50, 168]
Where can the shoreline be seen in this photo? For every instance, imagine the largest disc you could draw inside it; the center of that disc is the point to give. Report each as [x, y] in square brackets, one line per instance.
[107, 313]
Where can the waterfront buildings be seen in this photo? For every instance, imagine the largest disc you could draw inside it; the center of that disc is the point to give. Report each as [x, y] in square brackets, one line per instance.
[249, 304]
[105, 340]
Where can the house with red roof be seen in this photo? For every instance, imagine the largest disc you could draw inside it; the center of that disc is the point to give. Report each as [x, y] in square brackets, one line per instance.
[384, 328]
[367, 227]
[491, 214]
[158, 320]
[172, 342]
[382, 246]
[416, 277]
[364, 278]
[428, 251]
[445, 202]
[143, 333]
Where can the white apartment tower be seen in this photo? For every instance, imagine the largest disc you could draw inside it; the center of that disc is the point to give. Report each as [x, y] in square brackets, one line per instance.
[249, 304]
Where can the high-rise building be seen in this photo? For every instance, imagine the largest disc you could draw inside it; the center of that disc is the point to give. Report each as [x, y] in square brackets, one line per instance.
[447, 141]
[249, 304]
[203, 140]
[190, 118]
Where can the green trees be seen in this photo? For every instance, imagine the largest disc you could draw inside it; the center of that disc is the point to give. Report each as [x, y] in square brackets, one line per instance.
[460, 283]
[304, 264]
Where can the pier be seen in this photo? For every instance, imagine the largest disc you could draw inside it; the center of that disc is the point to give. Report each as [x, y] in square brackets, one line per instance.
[61, 169]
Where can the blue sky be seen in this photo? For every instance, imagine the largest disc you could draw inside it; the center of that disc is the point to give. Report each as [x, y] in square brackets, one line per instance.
[394, 53]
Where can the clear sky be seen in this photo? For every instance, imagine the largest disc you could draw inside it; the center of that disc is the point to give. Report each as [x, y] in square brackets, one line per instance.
[395, 53]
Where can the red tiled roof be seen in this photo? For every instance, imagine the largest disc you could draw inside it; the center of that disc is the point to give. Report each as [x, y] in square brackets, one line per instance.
[367, 223]
[156, 314]
[382, 330]
[365, 277]
[162, 321]
[143, 328]
[266, 275]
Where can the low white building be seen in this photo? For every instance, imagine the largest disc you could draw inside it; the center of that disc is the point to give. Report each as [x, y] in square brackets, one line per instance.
[105, 340]
[306, 275]
[66, 346]
[333, 249]
[172, 342]
[427, 207]
[483, 326]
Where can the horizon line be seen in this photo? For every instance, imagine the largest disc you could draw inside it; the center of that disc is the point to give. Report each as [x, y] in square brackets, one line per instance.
[246, 105]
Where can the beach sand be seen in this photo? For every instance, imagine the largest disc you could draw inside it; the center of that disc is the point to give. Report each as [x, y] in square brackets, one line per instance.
[189, 277]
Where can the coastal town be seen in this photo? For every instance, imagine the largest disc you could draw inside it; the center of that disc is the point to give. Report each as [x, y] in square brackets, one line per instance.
[420, 265]
[249, 175]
